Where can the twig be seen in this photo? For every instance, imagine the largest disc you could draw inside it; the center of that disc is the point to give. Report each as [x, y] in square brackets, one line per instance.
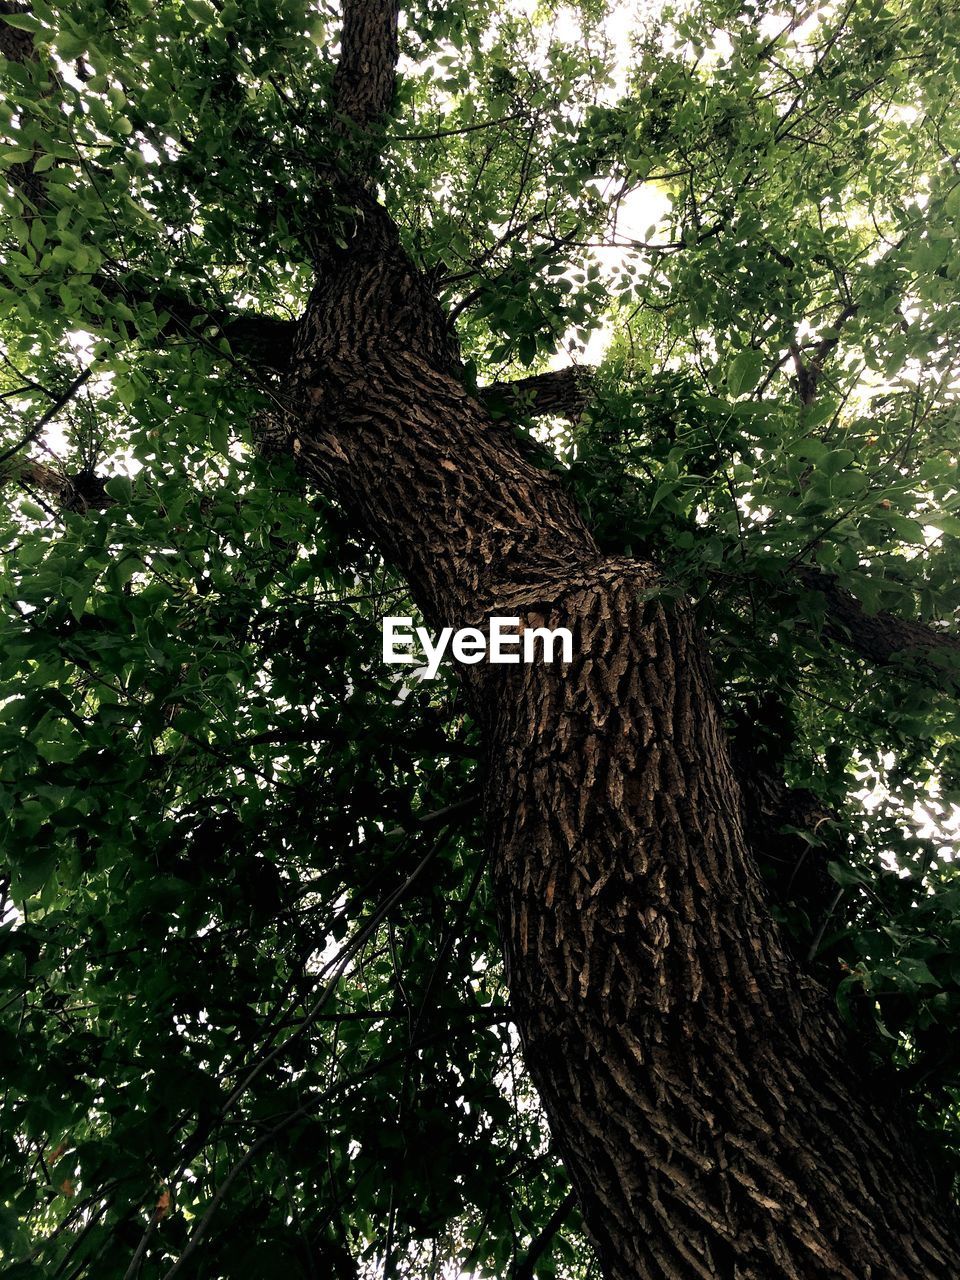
[52, 412]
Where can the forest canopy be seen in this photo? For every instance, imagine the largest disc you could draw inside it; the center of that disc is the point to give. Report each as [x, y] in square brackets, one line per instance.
[701, 266]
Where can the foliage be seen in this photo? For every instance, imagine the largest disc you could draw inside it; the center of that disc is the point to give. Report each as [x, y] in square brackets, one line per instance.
[249, 964]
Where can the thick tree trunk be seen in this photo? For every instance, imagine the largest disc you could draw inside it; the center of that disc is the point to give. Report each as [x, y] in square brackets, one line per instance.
[699, 1087]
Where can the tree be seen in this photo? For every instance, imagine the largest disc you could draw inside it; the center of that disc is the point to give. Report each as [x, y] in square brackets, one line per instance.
[280, 319]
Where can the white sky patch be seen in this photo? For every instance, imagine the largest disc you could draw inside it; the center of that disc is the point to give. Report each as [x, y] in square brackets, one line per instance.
[928, 819]
[617, 28]
[638, 218]
[55, 438]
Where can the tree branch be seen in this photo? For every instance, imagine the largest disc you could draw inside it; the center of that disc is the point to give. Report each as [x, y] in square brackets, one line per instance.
[808, 373]
[527, 1266]
[364, 81]
[60, 403]
[266, 341]
[77, 491]
[882, 638]
[564, 393]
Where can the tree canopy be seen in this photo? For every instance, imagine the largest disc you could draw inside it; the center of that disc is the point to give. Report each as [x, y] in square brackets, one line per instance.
[254, 1014]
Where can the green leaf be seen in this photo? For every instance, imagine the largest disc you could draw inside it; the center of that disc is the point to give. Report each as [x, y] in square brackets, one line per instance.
[835, 461]
[811, 448]
[125, 569]
[220, 436]
[745, 371]
[22, 22]
[120, 488]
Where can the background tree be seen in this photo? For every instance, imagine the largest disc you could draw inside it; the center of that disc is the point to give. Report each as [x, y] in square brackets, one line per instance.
[283, 289]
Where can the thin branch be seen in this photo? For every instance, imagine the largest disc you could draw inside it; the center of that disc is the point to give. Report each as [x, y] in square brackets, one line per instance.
[452, 133]
[527, 1266]
[61, 402]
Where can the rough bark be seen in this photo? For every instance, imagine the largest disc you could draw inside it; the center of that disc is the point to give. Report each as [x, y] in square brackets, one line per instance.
[705, 1098]
[14, 44]
[708, 1105]
[561, 393]
[704, 1095]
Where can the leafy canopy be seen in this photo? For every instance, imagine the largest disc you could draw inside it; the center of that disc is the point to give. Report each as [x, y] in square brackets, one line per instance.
[252, 1008]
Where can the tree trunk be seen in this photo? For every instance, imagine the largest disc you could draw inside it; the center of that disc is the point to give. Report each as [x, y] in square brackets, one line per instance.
[698, 1085]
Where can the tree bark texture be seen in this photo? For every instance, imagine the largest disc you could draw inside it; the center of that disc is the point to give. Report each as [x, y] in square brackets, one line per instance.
[699, 1086]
